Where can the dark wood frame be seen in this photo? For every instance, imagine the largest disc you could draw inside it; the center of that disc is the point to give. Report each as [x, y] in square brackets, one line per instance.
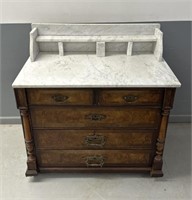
[157, 162]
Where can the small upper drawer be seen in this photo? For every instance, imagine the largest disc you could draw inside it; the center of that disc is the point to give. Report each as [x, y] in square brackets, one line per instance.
[60, 96]
[130, 96]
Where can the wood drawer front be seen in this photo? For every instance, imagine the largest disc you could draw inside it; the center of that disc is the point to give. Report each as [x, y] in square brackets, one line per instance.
[130, 97]
[89, 139]
[62, 117]
[60, 96]
[93, 158]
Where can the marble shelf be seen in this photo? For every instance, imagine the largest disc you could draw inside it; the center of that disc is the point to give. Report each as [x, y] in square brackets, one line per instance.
[44, 37]
[111, 38]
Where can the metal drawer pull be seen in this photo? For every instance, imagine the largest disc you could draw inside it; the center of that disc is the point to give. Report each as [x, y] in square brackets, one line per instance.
[59, 98]
[95, 117]
[130, 98]
[95, 140]
[94, 161]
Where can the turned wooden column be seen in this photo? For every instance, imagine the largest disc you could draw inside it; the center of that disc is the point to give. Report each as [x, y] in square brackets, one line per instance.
[166, 107]
[29, 143]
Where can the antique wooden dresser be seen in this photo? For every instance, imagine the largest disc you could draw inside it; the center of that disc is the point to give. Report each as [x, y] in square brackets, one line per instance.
[87, 111]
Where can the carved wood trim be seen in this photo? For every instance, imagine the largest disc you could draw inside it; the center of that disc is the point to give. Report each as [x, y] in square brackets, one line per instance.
[22, 104]
[29, 143]
[158, 159]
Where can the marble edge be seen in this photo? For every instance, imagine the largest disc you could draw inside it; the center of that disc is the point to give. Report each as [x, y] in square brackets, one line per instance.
[97, 86]
[13, 85]
[96, 24]
[179, 83]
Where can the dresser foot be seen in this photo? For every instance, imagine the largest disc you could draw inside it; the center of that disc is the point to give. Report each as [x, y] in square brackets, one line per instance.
[156, 173]
[31, 172]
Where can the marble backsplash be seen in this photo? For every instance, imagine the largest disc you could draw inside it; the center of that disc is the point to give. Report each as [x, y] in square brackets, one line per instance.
[128, 39]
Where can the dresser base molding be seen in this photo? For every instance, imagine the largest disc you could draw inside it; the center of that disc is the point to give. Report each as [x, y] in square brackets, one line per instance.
[94, 169]
[31, 172]
[153, 173]
[156, 173]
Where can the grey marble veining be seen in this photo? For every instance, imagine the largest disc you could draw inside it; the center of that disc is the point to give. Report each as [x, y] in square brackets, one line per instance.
[88, 70]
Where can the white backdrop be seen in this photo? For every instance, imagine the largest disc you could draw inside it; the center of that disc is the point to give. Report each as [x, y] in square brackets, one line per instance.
[24, 11]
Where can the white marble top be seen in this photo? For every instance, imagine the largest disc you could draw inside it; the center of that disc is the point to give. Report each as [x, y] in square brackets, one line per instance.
[83, 70]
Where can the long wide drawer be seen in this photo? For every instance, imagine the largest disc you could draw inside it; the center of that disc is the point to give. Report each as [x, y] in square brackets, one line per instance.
[130, 97]
[60, 96]
[61, 117]
[90, 139]
[93, 158]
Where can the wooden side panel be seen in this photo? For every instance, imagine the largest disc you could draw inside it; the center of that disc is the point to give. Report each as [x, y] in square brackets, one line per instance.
[168, 98]
[20, 97]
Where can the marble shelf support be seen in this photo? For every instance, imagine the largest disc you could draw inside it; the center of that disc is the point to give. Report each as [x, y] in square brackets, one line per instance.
[61, 48]
[34, 47]
[129, 48]
[158, 51]
[100, 49]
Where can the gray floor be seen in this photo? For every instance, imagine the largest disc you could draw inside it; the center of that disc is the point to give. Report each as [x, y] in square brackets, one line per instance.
[175, 184]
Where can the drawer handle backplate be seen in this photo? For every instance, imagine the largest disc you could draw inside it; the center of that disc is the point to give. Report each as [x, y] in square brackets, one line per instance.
[130, 98]
[95, 117]
[95, 140]
[94, 161]
[59, 98]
